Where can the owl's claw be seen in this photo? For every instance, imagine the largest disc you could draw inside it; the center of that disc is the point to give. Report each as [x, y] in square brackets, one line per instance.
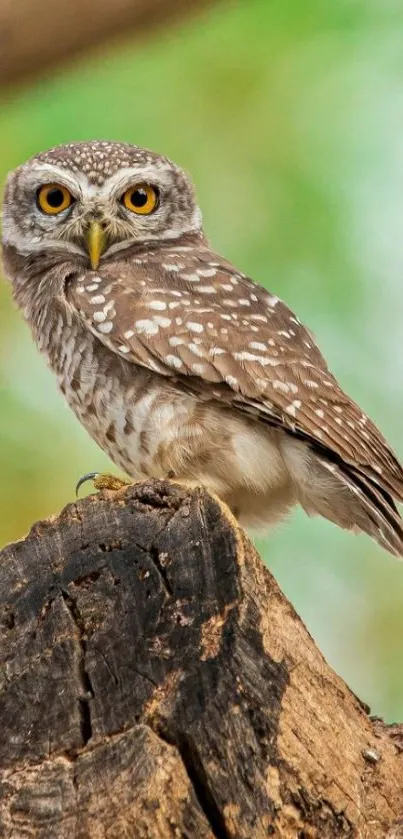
[102, 480]
[89, 476]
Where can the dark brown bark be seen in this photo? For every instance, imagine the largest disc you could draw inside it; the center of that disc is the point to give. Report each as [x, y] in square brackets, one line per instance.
[154, 682]
[36, 35]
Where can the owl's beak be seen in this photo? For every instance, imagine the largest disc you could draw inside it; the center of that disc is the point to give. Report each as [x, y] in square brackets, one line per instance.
[96, 242]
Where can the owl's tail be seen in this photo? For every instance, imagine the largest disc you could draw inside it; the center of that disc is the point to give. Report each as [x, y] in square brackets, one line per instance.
[354, 502]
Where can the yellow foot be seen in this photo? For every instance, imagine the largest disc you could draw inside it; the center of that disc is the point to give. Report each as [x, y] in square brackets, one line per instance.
[102, 480]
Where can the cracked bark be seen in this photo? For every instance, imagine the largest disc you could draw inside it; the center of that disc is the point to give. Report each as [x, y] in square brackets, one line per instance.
[154, 682]
[37, 35]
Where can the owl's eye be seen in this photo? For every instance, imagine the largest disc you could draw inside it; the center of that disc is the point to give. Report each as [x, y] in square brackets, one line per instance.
[141, 199]
[53, 198]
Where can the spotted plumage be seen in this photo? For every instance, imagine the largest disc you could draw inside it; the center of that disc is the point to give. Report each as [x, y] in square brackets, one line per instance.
[178, 364]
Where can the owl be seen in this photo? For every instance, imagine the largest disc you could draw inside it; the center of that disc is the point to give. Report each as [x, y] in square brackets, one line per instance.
[176, 363]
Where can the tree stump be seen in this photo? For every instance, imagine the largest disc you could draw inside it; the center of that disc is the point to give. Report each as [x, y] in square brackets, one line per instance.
[155, 682]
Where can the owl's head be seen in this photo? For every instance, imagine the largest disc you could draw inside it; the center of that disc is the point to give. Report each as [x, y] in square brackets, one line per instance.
[93, 199]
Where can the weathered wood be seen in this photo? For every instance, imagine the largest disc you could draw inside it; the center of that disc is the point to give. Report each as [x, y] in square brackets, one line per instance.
[154, 682]
[36, 35]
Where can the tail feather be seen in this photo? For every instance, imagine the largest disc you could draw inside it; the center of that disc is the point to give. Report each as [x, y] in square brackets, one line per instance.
[355, 502]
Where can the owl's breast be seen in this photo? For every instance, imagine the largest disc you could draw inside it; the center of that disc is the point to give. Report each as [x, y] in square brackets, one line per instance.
[135, 415]
[150, 426]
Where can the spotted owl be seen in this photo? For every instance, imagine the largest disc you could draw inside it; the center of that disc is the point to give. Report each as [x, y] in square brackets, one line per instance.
[176, 363]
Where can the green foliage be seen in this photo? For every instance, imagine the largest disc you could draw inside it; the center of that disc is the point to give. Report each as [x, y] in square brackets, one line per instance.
[287, 116]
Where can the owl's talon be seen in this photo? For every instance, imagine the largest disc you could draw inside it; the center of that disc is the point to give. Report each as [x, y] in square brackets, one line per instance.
[89, 476]
[102, 480]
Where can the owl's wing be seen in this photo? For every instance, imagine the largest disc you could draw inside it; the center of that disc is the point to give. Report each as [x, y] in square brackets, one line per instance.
[190, 315]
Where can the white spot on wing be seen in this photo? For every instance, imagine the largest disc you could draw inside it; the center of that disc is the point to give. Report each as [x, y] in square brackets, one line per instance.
[146, 327]
[247, 356]
[196, 350]
[191, 278]
[198, 368]
[279, 385]
[257, 345]
[207, 272]
[293, 407]
[173, 361]
[261, 318]
[99, 317]
[105, 327]
[161, 321]
[157, 305]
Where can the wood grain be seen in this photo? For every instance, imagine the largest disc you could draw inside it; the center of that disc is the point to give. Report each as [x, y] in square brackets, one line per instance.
[155, 682]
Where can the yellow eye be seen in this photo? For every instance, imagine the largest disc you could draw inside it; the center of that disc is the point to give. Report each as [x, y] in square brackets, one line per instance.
[141, 199]
[53, 198]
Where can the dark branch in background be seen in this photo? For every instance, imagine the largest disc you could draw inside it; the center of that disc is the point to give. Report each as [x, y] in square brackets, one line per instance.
[38, 35]
[155, 683]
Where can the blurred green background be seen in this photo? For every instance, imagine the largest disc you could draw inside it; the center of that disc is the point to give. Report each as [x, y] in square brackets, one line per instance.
[289, 118]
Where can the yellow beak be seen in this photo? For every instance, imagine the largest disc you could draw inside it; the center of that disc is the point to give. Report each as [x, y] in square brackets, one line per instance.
[96, 242]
